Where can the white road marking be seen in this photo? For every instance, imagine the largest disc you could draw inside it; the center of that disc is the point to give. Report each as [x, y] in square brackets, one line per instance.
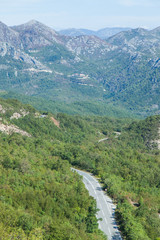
[106, 221]
[91, 184]
[107, 205]
[103, 212]
[109, 231]
[100, 205]
[86, 187]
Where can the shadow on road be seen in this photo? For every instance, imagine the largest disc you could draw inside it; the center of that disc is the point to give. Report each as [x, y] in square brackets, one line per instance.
[99, 188]
[117, 236]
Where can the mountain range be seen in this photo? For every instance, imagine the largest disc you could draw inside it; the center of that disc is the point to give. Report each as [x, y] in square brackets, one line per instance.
[81, 74]
[103, 33]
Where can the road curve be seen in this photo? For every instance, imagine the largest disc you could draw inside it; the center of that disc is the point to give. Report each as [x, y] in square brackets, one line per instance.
[104, 204]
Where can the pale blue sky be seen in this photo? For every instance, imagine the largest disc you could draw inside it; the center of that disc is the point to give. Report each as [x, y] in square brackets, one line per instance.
[91, 14]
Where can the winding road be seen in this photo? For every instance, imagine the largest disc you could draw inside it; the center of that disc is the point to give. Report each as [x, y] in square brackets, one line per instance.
[104, 204]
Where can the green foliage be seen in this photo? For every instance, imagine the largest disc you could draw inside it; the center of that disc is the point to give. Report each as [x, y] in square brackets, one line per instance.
[40, 196]
[83, 108]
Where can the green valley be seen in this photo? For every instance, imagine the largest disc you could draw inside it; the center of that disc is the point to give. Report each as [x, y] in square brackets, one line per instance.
[84, 102]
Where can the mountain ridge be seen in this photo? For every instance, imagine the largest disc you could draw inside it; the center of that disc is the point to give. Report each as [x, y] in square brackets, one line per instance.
[122, 70]
[103, 33]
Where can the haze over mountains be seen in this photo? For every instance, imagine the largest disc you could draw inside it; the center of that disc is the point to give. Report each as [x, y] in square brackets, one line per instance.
[83, 73]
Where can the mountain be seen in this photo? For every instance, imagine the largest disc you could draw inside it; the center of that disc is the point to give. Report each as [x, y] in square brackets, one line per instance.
[35, 35]
[137, 41]
[73, 32]
[12, 50]
[82, 74]
[102, 33]
[108, 32]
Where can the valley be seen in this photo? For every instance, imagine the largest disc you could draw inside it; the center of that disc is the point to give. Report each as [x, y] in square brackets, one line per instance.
[85, 101]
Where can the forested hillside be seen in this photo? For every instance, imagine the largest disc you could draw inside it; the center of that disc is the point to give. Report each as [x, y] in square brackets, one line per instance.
[40, 198]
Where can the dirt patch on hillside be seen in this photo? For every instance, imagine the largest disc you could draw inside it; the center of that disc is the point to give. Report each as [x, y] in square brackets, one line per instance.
[57, 123]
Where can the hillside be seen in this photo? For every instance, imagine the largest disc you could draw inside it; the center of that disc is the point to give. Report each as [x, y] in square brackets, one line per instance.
[40, 198]
[121, 72]
[39, 194]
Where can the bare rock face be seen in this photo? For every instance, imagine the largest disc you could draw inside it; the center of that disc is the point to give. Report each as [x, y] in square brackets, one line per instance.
[88, 46]
[11, 45]
[2, 110]
[9, 129]
[138, 41]
[16, 115]
[17, 54]
[9, 35]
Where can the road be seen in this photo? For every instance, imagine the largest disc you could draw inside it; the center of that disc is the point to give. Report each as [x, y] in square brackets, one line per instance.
[104, 204]
[104, 139]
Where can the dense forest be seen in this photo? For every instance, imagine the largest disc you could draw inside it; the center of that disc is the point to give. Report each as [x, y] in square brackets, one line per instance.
[40, 197]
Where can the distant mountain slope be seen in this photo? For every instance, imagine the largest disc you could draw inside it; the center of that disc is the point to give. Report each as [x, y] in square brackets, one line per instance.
[102, 33]
[73, 32]
[108, 32]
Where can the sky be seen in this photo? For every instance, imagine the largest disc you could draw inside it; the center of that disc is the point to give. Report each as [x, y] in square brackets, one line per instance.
[89, 14]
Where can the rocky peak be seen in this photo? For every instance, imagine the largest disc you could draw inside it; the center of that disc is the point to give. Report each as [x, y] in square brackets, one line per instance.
[33, 24]
[140, 30]
[34, 34]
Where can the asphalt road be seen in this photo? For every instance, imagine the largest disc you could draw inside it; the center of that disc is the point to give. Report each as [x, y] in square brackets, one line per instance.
[104, 204]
